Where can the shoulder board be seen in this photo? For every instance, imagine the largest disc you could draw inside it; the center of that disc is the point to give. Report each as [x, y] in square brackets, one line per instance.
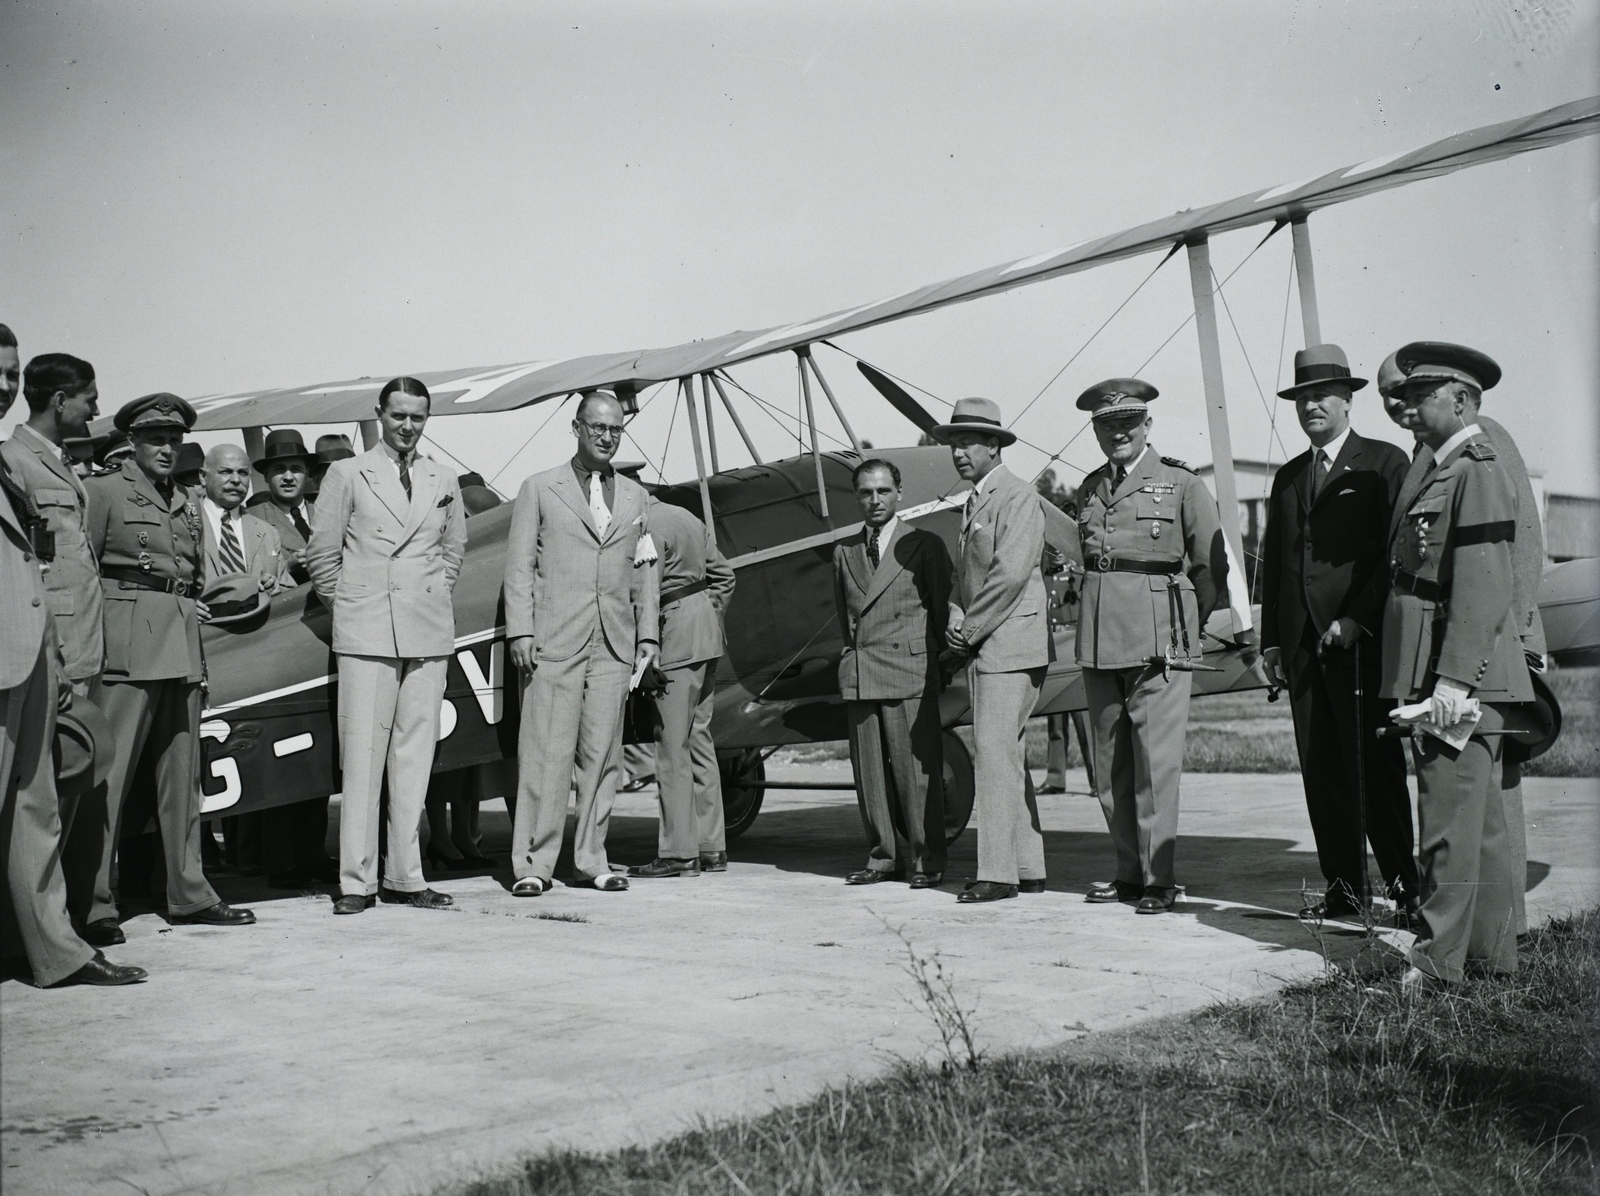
[1479, 450]
[1177, 464]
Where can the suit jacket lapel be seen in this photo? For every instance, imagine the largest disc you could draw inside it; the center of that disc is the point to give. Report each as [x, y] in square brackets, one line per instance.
[380, 473]
[53, 462]
[424, 493]
[626, 510]
[889, 566]
[1421, 466]
[1142, 472]
[566, 486]
[1349, 454]
[855, 560]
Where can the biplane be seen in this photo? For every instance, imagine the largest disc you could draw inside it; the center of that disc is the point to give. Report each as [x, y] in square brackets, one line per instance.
[269, 730]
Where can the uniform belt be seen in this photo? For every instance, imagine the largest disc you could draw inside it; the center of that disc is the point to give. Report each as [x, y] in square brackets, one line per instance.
[1106, 563]
[1423, 587]
[694, 587]
[140, 580]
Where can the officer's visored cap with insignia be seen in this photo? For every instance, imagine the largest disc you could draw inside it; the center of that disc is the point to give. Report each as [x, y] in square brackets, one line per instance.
[1319, 365]
[975, 415]
[1448, 363]
[155, 411]
[1117, 397]
[1391, 378]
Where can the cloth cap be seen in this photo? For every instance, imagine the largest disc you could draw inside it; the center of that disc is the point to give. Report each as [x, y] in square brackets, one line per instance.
[155, 411]
[283, 444]
[235, 597]
[975, 415]
[1116, 396]
[1447, 362]
[1317, 365]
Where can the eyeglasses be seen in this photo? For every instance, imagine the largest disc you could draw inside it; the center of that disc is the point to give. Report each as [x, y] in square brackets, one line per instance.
[602, 431]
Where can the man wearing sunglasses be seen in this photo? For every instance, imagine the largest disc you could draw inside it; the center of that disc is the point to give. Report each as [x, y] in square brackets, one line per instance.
[581, 599]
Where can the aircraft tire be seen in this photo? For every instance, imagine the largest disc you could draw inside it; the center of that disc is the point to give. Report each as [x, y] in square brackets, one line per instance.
[959, 785]
[744, 778]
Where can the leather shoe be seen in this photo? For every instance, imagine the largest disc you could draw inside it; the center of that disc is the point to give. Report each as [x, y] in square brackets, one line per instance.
[927, 880]
[426, 899]
[1031, 884]
[102, 972]
[662, 866]
[1157, 901]
[1104, 892]
[713, 861]
[354, 905]
[1331, 905]
[871, 876]
[220, 914]
[1047, 789]
[985, 890]
[103, 932]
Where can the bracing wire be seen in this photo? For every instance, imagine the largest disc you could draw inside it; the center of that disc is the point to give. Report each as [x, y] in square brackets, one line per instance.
[529, 440]
[1083, 347]
[1190, 317]
[1249, 365]
[660, 476]
[777, 415]
[672, 423]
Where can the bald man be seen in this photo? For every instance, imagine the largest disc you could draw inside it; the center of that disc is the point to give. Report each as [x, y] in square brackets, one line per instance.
[236, 542]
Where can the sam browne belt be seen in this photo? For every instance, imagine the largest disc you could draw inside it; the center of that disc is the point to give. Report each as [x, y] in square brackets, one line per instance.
[137, 579]
[1106, 563]
[1423, 587]
[683, 591]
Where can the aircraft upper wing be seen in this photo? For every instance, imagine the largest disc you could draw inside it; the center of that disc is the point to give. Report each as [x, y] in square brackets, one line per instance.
[501, 388]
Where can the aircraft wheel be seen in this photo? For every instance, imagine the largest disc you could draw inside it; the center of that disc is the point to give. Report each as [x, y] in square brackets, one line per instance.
[743, 787]
[959, 786]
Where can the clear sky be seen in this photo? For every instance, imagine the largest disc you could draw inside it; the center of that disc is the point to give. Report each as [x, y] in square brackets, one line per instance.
[206, 197]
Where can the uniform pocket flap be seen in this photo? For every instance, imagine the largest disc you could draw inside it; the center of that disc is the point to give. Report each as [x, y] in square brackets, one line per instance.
[133, 512]
[1156, 506]
[1433, 505]
[55, 498]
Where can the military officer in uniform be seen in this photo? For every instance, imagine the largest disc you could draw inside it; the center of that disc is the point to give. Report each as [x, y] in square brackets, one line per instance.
[1154, 567]
[145, 532]
[1450, 638]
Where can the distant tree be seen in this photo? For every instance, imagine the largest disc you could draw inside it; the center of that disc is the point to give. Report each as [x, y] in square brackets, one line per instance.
[1055, 491]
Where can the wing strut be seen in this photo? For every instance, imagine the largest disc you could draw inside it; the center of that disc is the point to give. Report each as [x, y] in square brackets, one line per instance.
[1309, 317]
[686, 389]
[800, 355]
[734, 416]
[711, 427]
[805, 355]
[1205, 319]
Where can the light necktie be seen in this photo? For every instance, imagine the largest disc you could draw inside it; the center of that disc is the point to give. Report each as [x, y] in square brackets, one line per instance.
[231, 551]
[597, 504]
[304, 528]
[405, 475]
[1319, 472]
[872, 547]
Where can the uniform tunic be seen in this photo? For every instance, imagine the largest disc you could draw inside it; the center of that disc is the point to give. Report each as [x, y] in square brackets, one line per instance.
[1163, 518]
[1449, 615]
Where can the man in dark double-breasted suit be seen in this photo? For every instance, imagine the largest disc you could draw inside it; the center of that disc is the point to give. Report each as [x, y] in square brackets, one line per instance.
[1325, 579]
[891, 585]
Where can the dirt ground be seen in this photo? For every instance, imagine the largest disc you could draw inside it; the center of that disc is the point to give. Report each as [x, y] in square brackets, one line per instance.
[401, 1048]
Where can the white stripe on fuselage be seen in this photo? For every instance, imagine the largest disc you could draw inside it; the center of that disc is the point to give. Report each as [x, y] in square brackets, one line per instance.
[804, 544]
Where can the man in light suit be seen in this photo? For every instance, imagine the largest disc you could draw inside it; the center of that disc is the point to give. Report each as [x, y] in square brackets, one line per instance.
[696, 586]
[62, 399]
[999, 627]
[891, 589]
[1155, 565]
[286, 505]
[235, 540]
[1325, 570]
[581, 599]
[35, 893]
[384, 555]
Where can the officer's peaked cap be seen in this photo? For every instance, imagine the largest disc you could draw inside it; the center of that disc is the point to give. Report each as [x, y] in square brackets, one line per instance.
[1447, 362]
[1117, 396]
[155, 411]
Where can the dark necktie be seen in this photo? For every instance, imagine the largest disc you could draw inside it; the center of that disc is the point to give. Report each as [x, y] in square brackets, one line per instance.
[231, 552]
[872, 548]
[1319, 471]
[304, 528]
[405, 475]
[1122, 476]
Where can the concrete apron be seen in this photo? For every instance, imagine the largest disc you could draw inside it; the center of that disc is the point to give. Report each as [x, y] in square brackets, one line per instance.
[401, 1049]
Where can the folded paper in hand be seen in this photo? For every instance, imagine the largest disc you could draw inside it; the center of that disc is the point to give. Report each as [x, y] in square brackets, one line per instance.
[1456, 734]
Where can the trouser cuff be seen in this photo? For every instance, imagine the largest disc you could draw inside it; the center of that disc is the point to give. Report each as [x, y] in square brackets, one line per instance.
[61, 971]
[193, 907]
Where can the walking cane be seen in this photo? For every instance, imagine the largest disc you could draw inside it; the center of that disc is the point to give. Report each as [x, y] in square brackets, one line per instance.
[1361, 776]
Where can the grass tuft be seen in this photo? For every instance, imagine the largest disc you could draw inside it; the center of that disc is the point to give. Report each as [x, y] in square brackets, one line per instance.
[1339, 1085]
